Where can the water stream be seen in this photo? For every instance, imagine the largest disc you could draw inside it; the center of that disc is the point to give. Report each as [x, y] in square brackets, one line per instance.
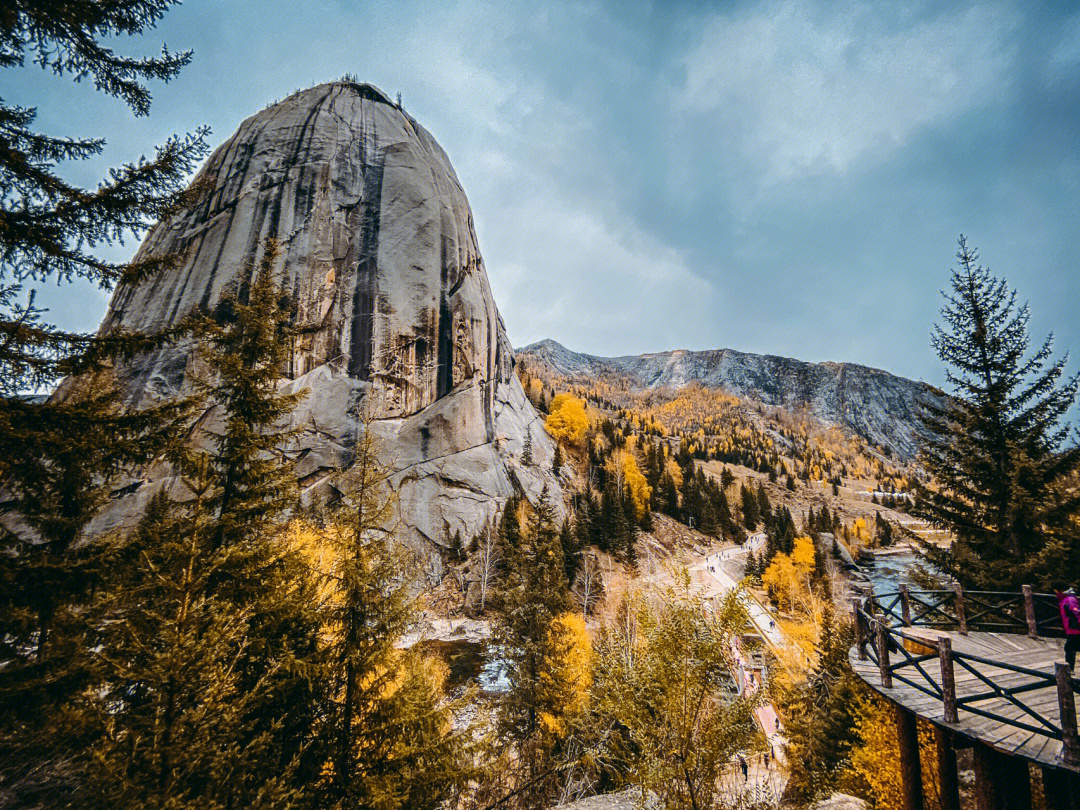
[887, 572]
[471, 663]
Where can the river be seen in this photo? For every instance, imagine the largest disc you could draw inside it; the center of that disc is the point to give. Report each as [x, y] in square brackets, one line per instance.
[888, 571]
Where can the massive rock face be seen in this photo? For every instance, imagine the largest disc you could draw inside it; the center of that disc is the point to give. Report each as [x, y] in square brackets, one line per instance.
[880, 407]
[379, 250]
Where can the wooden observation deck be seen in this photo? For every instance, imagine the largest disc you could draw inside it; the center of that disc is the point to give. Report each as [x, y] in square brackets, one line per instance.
[987, 669]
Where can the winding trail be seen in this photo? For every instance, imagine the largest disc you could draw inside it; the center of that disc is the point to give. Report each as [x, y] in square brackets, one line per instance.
[708, 576]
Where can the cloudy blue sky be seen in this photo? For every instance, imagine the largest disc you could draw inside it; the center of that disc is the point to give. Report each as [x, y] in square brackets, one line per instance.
[779, 177]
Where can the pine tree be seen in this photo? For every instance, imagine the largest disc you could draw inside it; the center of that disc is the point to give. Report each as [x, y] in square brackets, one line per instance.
[60, 458]
[213, 613]
[570, 549]
[750, 513]
[527, 450]
[388, 736]
[171, 696]
[820, 715]
[556, 459]
[244, 347]
[510, 525]
[999, 447]
[751, 566]
[727, 478]
[723, 516]
[47, 227]
[533, 593]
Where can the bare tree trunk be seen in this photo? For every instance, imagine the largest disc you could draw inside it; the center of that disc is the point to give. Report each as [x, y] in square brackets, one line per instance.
[489, 560]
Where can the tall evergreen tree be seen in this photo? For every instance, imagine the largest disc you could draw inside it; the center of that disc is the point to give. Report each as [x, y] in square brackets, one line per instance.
[171, 697]
[570, 549]
[750, 511]
[244, 347]
[387, 739]
[510, 525]
[999, 447]
[533, 592]
[210, 623]
[820, 714]
[60, 458]
[527, 449]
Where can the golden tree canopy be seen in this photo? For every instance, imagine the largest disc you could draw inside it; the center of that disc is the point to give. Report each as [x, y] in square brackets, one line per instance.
[567, 418]
[566, 672]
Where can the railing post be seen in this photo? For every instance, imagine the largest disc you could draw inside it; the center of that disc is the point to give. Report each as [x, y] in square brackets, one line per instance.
[883, 654]
[1070, 744]
[905, 605]
[948, 680]
[961, 616]
[860, 629]
[1029, 613]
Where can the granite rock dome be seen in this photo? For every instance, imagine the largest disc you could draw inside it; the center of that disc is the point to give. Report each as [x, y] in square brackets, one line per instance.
[379, 249]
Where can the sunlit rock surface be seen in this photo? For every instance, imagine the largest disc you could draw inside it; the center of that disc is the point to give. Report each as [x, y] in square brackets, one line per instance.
[379, 249]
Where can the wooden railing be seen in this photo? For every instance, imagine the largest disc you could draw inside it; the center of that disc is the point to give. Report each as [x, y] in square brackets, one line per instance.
[1035, 614]
[880, 634]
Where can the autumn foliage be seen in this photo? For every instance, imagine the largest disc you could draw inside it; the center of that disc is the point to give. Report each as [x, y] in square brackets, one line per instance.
[567, 419]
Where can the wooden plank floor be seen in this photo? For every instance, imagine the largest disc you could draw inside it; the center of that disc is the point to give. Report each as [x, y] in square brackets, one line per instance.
[1038, 654]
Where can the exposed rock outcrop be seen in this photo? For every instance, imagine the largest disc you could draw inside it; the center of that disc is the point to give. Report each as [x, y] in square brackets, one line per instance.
[876, 405]
[379, 250]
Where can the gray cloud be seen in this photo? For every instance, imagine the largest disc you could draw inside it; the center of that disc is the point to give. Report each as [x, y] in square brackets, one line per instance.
[786, 177]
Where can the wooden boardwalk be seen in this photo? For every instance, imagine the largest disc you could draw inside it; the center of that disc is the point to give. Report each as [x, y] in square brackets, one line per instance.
[1032, 700]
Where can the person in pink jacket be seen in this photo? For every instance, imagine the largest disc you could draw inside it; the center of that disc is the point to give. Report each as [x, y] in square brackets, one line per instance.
[1070, 620]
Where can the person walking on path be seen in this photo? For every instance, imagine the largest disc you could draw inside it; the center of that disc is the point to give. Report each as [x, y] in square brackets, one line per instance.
[1070, 620]
[744, 768]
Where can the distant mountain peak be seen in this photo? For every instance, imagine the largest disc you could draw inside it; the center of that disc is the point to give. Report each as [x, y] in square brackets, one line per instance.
[880, 407]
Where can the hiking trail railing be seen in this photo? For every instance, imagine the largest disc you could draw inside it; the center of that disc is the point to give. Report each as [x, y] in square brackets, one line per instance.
[881, 631]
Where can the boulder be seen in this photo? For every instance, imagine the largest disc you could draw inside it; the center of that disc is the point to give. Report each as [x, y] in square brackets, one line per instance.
[840, 801]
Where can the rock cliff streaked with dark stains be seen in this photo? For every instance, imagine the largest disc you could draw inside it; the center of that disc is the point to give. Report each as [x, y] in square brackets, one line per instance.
[379, 250]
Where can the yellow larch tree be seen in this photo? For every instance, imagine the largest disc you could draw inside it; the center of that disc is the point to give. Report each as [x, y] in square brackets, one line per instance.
[567, 418]
[875, 766]
[633, 481]
[565, 673]
[788, 576]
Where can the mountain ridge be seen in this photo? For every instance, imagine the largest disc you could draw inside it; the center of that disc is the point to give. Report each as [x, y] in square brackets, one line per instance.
[875, 404]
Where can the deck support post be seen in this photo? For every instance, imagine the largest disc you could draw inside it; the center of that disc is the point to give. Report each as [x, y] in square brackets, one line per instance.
[946, 763]
[1061, 789]
[905, 605]
[1017, 787]
[907, 738]
[986, 787]
[1070, 744]
[961, 614]
[1002, 782]
[1029, 613]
